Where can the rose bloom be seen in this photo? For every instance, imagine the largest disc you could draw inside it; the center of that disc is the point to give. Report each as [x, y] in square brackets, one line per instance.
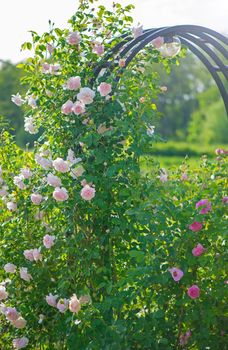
[3, 191]
[36, 198]
[43, 162]
[225, 199]
[142, 99]
[26, 173]
[87, 193]
[74, 38]
[62, 305]
[54, 69]
[37, 255]
[73, 83]
[196, 226]
[78, 108]
[176, 273]
[205, 204]
[12, 206]
[50, 48]
[86, 95]
[48, 241]
[24, 274]
[61, 165]
[53, 180]
[17, 99]
[104, 89]
[67, 107]
[77, 172]
[184, 177]
[194, 292]
[28, 254]
[158, 42]
[74, 304]
[51, 299]
[198, 250]
[137, 31]
[219, 151]
[19, 323]
[29, 125]
[20, 343]
[11, 314]
[32, 102]
[122, 62]
[10, 268]
[98, 49]
[3, 293]
[60, 194]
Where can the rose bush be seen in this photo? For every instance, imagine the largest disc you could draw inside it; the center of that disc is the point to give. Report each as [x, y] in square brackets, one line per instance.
[95, 253]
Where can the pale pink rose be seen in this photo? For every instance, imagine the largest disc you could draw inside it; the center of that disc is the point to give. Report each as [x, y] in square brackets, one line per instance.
[51, 299]
[3, 191]
[20, 343]
[86, 95]
[50, 48]
[78, 108]
[98, 49]
[11, 314]
[19, 323]
[87, 193]
[48, 241]
[61, 165]
[142, 99]
[184, 177]
[176, 273]
[28, 254]
[53, 180]
[225, 199]
[43, 162]
[163, 176]
[62, 305]
[84, 299]
[137, 31]
[158, 42]
[54, 69]
[25, 275]
[45, 67]
[67, 107]
[73, 83]
[26, 173]
[29, 125]
[36, 198]
[12, 206]
[10, 268]
[196, 226]
[193, 292]
[104, 89]
[18, 181]
[74, 38]
[74, 304]
[84, 182]
[32, 102]
[198, 250]
[71, 157]
[17, 99]
[122, 62]
[219, 151]
[3, 293]
[205, 204]
[37, 255]
[60, 194]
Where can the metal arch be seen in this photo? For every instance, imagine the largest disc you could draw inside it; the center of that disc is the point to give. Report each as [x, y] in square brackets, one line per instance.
[195, 38]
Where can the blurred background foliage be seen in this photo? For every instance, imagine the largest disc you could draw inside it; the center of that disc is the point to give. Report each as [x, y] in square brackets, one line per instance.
[193, 118]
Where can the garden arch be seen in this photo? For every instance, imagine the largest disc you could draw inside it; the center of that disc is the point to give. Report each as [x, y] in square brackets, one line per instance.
[208, 45]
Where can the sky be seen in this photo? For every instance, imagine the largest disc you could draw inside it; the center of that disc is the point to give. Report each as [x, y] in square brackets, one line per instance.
[17, 17]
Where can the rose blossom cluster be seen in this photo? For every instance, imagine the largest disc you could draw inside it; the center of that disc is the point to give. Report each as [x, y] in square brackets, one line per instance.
[13, 316]
[24, 174]
[33, 254]
[73, 304]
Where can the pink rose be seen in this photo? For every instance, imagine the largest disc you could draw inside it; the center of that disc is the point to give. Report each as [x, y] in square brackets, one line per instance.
[53, 180]
[142, 99]
[219, 151]
[30, 126]
[194, 292]
[36, 198]
[3, 293]
[43, 162]
[48, 241]
[28, 254]
[61, 165]
[163, 175]
[20, 343]
[62, 305]
[196, 226]
[205, 204]
[54, 69]
[74, 304]
[225, 199]
[37, 255]
[11, 314]
[18, 181]
[98, 49]
[10, 268]
[24, 274]
[51, 299]
[19, 323]
[73, 83]
[86, 95]
[78, 108]
[198, 250]
[122, 62]
[104, 89]
[184, 177]
[26, 173]
[60, 194]
[3, 191]
[158, 42]
[74, 38]
[88, 192]
[11, 206]
[67, 107]
[50, 48]
[32, 102]
[176, 273]
[137, 31]
[17, 99]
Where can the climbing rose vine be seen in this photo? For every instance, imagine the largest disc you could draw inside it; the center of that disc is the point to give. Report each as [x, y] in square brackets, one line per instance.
[96, 252]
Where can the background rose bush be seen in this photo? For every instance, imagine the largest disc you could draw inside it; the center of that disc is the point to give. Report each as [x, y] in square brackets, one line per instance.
[102, 253]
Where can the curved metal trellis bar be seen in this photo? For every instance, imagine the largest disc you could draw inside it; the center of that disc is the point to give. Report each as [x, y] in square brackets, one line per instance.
[208, 45]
